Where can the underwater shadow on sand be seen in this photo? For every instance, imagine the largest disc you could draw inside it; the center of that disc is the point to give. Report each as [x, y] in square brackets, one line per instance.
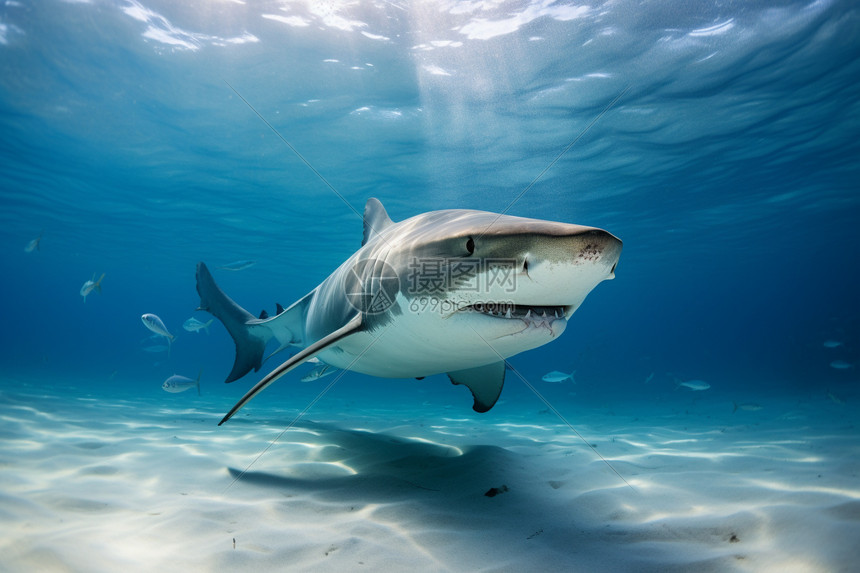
[377, 467]
[442, 490]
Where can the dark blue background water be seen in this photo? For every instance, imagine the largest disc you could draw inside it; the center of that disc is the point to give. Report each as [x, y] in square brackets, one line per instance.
[729, 168]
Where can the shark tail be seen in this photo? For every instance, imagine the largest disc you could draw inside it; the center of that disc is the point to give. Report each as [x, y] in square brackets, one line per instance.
[250, 342]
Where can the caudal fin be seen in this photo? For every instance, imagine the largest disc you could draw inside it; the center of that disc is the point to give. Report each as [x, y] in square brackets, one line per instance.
[250, 343]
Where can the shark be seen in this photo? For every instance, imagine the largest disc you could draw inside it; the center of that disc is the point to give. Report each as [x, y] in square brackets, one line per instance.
[453, 292]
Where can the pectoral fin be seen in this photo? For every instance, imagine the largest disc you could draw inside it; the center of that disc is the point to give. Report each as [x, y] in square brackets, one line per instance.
[485, 382]
[351, 327]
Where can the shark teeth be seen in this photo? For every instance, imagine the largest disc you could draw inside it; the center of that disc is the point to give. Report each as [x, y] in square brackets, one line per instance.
[530, 314]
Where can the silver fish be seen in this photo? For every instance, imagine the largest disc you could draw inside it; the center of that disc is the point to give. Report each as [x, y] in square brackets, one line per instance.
[695, 385]
[749, 407]
[194, 325]
[33, 245]
[177, 383]
[156, 348]
[557, 377]
[92, 285]
[156, 325]
[319, 372]
[841, 365]
[237, 265]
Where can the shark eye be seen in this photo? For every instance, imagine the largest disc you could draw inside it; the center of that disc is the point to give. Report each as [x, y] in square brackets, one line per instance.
[470, 245]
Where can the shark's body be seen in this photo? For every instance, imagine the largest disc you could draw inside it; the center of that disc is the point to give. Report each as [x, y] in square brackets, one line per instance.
[453, 292]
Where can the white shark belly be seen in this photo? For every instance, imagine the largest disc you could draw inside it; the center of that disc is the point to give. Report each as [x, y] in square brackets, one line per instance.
[421, 344]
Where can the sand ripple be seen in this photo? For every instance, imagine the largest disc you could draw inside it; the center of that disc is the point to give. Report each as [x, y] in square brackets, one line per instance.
[100, 486]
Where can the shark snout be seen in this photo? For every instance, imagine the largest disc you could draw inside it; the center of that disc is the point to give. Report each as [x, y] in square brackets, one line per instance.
[610, 250]
[576, 256]
[596, 247]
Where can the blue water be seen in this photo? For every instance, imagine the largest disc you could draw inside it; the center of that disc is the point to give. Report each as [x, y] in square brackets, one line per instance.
[728, 166]
[719, 140]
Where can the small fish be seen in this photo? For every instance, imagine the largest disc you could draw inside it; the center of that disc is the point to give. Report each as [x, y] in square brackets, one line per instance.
[649, 378]
[749, 407]
[237, 265]
[841, 365]
[177, 383]
[194, 325]
[557, 377]
[695, 385]
[831, 344]
[33, 245]
[156, 348]
[319, 372]
[92, 285]
[836, 399]
[155, 324]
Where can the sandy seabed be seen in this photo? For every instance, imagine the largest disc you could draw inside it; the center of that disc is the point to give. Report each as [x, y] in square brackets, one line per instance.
[131, 485]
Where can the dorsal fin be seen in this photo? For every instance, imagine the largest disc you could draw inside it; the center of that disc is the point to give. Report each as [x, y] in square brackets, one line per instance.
[376, 219]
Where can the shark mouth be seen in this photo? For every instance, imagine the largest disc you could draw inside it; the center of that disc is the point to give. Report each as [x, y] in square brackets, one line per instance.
[538, 315]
